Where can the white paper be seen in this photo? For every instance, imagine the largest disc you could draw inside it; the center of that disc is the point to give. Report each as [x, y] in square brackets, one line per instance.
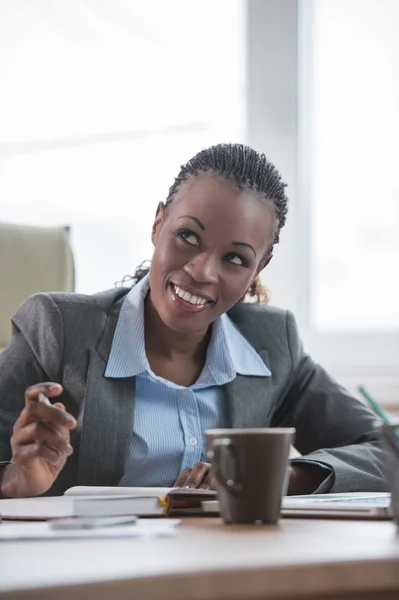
[95, 490]
[144, 528]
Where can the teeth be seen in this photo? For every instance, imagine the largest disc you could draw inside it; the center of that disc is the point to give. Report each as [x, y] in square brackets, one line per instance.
[197, 300]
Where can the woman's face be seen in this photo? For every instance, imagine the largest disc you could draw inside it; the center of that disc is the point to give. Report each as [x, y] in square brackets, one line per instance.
[210, 243]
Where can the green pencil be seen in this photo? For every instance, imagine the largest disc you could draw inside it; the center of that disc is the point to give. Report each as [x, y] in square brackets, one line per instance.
[392, 435]
[374, 404]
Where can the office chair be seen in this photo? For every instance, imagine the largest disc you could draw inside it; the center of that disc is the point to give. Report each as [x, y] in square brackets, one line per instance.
[32, 259]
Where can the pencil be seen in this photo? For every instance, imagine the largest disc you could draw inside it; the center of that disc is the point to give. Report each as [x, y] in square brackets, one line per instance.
[43, 399]
[392, 435]
[374, 404]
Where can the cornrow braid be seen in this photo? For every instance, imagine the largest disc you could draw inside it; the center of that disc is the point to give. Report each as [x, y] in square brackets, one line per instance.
[247, 168]
[250, 171]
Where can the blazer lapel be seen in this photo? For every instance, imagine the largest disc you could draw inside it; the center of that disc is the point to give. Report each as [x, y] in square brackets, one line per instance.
[107, 425]
[249, 399]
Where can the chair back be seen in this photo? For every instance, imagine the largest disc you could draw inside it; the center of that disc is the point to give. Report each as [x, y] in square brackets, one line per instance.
[32, 259]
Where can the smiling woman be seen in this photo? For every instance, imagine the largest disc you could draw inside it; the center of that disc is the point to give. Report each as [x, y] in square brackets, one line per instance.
[248, 173]
[142, 373]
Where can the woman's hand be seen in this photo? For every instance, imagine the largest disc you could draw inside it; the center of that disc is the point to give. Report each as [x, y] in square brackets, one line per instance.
[197, 477]
[305, 479]
[40, 444]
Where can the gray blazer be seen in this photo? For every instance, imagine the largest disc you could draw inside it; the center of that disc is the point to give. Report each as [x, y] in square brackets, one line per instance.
[66, 338]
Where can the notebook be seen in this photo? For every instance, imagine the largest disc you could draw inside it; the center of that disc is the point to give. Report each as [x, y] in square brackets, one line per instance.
[355, 505]
[82, 501]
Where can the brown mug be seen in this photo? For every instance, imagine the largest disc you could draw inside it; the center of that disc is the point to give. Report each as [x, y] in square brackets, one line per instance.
[250, 471]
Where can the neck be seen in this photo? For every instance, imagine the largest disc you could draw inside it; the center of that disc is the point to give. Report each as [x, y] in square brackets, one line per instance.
[161, 340]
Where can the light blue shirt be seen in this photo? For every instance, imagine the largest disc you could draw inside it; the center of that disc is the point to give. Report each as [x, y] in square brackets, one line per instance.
[170, 419]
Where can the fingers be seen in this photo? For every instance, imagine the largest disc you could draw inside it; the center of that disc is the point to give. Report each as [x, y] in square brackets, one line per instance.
[207, 483]
[180, 481]
[38, 440]
[53, 415]
[48, 388]
[197, 477]
[42, 431]
[38, 432]
[29, 452]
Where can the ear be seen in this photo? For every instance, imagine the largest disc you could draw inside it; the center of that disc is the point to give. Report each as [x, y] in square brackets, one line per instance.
[157, 225]
[263, 263]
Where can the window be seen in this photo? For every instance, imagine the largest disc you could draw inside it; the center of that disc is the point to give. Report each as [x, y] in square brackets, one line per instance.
[323, 92]
[101, 103]
[354, 166]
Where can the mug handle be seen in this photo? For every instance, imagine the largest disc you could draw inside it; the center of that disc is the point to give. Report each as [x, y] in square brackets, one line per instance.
[221, 447]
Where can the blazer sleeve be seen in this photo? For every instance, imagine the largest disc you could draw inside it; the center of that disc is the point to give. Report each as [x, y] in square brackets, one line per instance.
[33, 355]
[332, 427]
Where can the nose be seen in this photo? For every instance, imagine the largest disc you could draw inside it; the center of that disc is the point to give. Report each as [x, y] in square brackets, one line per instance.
[202, 268]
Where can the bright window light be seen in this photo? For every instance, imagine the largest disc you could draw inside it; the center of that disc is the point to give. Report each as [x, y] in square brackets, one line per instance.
[101, 103]
[354, 166]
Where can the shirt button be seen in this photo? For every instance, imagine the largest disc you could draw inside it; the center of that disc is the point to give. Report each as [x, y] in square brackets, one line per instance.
[193, 441]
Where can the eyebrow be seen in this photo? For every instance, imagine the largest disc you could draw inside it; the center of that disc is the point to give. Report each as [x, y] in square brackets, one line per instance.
[202, 226]
[244, 244]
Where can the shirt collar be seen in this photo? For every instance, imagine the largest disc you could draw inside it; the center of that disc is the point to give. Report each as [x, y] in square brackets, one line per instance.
[228, 352]
[127, 357]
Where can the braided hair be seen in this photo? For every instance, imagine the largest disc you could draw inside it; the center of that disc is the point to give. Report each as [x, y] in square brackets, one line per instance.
[250, 171]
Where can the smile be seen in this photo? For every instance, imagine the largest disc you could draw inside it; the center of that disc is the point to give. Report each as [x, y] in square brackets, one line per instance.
[188, 299]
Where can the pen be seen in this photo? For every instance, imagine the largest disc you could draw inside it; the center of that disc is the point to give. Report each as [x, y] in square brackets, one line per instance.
[91, 522]
[43, 399]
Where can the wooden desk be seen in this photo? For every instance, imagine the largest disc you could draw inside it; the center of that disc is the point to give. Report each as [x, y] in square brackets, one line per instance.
[299, 558]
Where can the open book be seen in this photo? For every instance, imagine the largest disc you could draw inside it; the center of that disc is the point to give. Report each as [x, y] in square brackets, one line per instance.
[93, 501]
[155, 500]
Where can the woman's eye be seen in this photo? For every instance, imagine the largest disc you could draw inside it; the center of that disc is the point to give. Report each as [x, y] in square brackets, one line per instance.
[235, 259]
[189, 237]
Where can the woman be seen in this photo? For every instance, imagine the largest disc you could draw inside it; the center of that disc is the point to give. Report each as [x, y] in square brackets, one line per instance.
[142, 373]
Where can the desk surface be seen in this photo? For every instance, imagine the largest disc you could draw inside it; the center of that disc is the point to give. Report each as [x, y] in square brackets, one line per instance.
[208, 560]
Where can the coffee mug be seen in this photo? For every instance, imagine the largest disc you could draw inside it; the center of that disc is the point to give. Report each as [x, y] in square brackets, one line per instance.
[250, 471]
